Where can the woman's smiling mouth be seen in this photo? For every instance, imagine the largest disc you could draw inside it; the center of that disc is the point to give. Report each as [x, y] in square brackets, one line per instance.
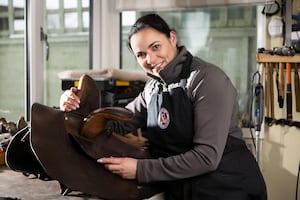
[157, 67]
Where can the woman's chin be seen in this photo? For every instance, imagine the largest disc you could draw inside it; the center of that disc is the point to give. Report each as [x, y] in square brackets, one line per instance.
[156, 71]
[155, 74]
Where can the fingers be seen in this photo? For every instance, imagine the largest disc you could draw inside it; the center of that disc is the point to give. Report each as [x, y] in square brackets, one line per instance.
[124, 167]
[110, 163]
[109, 160]
[69, 100]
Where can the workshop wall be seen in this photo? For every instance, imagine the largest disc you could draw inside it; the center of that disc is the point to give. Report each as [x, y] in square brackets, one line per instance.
[280, 148]
[280, 155]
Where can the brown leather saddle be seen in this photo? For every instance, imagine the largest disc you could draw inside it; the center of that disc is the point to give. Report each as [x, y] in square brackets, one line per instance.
[67, 145]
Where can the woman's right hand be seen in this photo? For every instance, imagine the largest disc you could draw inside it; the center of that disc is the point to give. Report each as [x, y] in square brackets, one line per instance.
[69, 100]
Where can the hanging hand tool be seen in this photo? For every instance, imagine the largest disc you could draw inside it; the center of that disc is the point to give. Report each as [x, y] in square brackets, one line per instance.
[289, 101]
[281, 83]
[258, 111]
[267, 94]
[271, 71]
[257, 101]
[277, 82]
[297, 88]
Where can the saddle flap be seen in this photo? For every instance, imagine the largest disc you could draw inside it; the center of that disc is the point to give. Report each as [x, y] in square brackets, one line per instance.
[68, 164]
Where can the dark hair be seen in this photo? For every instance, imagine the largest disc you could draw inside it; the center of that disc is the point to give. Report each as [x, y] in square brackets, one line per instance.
[149, 21]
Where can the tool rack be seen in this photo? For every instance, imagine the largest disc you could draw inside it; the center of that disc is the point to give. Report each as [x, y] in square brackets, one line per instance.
[266, 60]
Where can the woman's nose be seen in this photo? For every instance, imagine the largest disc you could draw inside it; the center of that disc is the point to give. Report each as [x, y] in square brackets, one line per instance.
[149, 59]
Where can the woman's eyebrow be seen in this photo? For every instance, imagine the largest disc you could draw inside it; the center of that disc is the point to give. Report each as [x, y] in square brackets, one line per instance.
[151, 44]
[149, 47]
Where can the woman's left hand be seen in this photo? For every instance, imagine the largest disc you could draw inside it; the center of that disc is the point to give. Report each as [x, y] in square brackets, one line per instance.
[125, 167]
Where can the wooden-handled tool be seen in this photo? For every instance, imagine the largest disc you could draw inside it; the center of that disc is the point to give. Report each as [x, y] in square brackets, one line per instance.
[297, 88]
[281, 83]
[277, 80]
[267, 91]
[289, 101]
[272, 114]
[269, 94]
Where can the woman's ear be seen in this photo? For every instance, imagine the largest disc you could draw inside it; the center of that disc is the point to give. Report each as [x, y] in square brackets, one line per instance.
[173, 38]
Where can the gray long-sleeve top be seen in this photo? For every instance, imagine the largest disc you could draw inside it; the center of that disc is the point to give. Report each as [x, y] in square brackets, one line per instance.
[215, 107]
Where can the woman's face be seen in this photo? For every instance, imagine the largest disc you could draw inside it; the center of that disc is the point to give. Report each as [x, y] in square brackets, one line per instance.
[153, 49]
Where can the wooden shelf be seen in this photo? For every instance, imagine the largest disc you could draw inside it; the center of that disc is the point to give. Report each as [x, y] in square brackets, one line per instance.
[267, 58]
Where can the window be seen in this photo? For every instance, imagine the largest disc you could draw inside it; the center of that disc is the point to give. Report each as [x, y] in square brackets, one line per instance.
[63, 16]
[12, 89]
[66, 22]
[225, 36]
[11, 17]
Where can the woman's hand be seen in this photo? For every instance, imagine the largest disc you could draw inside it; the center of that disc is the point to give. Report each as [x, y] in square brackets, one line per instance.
[69, 100]
[125, 167]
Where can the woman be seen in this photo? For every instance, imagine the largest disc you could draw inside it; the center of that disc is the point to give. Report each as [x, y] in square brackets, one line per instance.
[190, 110]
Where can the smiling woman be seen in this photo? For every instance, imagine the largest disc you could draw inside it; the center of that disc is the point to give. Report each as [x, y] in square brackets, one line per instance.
[189, 111]
[225, 36]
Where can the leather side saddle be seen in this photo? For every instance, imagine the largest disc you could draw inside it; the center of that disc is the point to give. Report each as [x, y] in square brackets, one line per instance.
[66, 145]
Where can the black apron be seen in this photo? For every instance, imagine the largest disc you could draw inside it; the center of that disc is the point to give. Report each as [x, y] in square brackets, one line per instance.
[170, 132]
[170, 122]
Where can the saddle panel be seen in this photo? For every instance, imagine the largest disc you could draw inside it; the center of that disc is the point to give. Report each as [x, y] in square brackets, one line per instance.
[65, 162]
[19, 156]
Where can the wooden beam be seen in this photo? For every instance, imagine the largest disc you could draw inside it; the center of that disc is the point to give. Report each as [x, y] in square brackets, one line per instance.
[267, 58]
